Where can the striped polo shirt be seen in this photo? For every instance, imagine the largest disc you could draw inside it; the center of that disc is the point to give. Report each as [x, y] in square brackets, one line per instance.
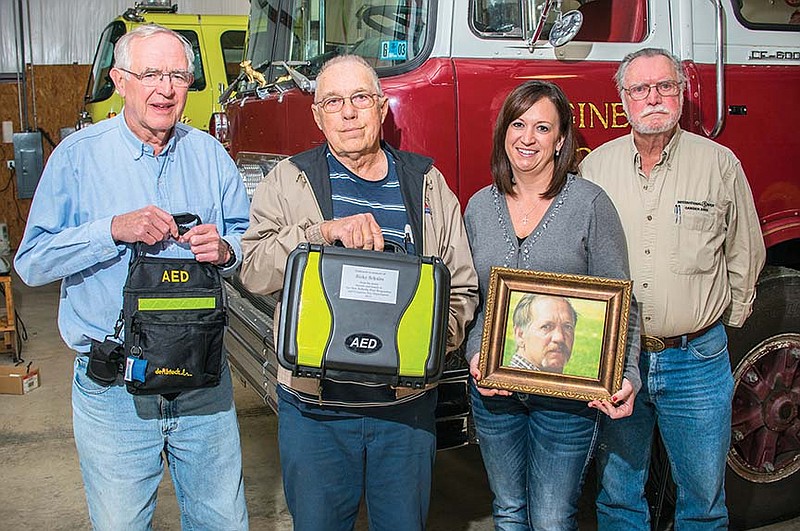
[383, 199]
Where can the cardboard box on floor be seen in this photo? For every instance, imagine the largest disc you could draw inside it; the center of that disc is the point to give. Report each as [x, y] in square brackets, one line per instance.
[18, 380]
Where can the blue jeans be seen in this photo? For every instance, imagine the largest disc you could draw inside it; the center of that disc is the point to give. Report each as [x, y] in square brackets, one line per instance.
[329, 459]
[123, 440]
[686, 391]
[536, 451]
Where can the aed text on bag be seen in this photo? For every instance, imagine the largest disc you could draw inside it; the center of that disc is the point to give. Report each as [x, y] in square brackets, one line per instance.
[175, 276]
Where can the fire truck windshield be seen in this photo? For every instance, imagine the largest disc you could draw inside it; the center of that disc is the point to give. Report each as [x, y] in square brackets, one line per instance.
[305, 33]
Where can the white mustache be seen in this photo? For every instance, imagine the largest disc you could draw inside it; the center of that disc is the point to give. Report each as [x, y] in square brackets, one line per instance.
[657, 109]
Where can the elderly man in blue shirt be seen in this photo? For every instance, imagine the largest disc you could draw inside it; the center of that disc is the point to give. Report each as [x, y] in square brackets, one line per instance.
[105, 188]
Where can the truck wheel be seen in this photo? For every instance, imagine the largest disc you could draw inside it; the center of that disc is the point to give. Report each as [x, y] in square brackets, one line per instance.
[763, 479]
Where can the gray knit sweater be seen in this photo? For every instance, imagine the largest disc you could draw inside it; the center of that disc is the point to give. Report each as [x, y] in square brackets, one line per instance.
[579, 234]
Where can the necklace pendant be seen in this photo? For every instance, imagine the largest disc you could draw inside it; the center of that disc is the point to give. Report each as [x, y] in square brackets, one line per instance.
[525, 220]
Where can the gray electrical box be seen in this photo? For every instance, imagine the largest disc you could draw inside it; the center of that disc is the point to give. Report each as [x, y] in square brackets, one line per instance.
[28, 162]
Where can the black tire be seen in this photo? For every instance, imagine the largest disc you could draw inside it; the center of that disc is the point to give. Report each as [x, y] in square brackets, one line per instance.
[660, 489]
[758, 492]
[763, 477]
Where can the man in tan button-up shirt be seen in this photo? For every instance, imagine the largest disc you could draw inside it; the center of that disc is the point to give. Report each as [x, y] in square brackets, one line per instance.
[695, 252]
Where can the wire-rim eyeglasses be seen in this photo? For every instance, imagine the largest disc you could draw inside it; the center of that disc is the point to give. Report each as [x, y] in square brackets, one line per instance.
[664, 88]
[151, 78]
[359, 100]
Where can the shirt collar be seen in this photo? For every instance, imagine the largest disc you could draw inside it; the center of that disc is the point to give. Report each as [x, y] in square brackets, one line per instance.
[520, 362]
[136, 147]
[672, 146]
[666, 155]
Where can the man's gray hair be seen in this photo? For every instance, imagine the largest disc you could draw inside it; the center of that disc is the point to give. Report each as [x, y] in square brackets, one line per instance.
[619, 77]
[351, 58]
[522, 313]
[122, 50]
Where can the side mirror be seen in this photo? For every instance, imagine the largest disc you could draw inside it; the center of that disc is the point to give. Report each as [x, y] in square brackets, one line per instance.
[565, 28]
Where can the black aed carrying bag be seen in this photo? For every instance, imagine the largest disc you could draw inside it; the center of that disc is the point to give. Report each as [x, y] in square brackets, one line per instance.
[364, 316]
[174, 317]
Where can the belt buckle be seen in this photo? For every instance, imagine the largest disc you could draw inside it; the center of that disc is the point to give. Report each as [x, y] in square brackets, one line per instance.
[653, 344]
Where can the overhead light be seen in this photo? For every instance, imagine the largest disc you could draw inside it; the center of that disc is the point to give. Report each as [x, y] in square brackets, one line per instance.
[153, 3]
[136, 13]
[133, 14]
[157, 5]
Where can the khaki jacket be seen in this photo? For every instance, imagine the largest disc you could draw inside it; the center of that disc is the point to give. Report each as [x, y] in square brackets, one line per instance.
[285, 211]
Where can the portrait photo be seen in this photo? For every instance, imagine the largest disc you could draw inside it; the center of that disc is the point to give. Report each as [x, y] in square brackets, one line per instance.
[554, 334]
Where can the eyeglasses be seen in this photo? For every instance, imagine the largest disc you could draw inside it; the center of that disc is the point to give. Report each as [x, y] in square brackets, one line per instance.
[665, 88]
[359, 100]
[151, 78]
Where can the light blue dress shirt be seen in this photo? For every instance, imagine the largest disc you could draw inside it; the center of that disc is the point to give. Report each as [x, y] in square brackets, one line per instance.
[103, 171]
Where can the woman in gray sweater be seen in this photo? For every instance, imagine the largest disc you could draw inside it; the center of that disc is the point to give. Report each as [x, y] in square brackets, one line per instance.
[538, 216]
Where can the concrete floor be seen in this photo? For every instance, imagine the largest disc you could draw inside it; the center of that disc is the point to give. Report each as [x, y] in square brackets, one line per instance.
[40, 483]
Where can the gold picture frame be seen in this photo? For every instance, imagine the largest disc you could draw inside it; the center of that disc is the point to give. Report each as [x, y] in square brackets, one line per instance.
[530, 317]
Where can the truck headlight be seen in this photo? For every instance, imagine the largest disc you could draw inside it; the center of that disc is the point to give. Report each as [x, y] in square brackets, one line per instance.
[253, 167]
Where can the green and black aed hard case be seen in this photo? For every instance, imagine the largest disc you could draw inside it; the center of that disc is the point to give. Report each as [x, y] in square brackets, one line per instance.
[364, 316]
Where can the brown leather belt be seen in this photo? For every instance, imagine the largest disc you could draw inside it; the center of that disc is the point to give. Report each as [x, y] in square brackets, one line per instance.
[657, 344]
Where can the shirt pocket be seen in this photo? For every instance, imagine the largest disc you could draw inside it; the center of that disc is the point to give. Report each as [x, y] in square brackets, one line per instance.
[697, 237]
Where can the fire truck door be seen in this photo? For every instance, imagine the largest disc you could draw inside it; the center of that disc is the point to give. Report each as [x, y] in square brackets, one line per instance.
[761, 51]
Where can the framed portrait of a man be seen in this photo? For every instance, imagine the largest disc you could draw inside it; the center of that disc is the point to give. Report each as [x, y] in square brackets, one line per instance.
[554, 334]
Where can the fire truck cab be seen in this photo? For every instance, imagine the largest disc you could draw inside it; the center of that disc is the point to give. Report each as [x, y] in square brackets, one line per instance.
[447, 66]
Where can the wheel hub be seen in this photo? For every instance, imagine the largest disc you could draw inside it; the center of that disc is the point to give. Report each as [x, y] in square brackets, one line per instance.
[765, 427]
[780, 412]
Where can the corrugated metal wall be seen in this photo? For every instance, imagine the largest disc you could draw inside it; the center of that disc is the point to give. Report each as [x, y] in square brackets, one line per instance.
[64, 32]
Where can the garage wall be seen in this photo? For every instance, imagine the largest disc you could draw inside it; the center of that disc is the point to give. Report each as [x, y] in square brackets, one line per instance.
[59, 96]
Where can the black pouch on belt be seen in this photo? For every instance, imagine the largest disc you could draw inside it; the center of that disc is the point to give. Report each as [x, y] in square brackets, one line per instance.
[105, 361]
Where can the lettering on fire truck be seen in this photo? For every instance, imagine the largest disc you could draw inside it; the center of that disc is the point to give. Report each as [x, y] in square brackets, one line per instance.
[764, 54]
[607, 115]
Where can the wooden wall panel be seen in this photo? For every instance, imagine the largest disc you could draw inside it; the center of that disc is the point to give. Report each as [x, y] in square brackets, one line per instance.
[59, 97]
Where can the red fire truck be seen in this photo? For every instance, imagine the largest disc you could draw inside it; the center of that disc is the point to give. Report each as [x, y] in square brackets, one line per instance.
[446, 67]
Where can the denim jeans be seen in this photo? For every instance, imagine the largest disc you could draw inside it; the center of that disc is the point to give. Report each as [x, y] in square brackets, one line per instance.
[536, 451]
[686, 391]
[123, 440]
[329, 459]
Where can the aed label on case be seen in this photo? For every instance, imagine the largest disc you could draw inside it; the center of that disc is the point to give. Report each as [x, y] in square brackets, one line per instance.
[369, 284]
[363, 343]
